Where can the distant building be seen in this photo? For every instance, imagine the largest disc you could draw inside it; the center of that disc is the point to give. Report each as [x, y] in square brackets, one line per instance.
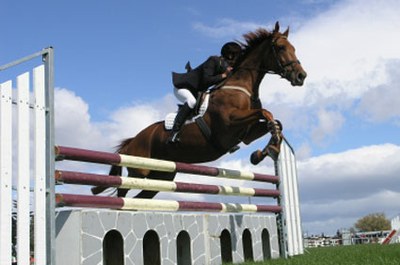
[321, 241]
[345, 238]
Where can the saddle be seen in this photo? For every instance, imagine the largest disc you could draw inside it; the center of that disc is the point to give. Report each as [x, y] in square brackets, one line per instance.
[199, 110]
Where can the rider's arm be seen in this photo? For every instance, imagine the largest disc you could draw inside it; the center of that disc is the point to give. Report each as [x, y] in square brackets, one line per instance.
[212, 72]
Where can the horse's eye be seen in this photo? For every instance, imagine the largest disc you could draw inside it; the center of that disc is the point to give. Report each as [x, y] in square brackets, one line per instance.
[281, 48]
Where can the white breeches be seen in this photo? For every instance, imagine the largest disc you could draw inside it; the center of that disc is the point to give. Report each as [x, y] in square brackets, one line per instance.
[184, 95]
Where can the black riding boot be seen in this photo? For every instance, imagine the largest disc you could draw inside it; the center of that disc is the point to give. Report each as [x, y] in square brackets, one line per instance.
[180, 119]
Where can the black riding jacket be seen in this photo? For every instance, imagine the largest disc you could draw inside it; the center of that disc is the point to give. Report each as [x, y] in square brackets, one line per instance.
[202, 77]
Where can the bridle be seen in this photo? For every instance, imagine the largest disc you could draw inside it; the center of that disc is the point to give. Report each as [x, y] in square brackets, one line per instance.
[282, 68]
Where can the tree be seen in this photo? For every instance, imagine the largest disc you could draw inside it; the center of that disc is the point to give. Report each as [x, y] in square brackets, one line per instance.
[373, 222]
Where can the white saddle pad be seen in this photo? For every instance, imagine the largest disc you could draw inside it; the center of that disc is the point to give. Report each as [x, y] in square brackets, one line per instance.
[170, 118]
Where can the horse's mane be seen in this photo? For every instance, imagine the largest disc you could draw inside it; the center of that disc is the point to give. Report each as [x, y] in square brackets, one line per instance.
[252, 40]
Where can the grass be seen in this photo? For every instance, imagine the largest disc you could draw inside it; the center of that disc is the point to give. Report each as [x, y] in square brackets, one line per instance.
[373, 254]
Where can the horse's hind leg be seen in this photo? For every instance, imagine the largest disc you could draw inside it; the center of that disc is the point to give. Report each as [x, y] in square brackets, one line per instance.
[138, 173]
[148, 194]
[114, 171]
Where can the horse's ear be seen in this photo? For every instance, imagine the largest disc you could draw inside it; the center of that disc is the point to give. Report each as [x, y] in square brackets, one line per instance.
[276, 27]
[286, 33]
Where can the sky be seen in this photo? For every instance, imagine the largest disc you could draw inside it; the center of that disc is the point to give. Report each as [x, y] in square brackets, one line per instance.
[113, 64]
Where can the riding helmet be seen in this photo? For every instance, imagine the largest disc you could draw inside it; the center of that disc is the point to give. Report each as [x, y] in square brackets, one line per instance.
[231, 50]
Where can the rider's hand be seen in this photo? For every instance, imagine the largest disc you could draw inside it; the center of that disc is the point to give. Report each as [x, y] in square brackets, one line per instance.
[228, 70]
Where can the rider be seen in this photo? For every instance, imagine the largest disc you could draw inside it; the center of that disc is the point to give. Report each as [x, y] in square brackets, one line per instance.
[187, 85]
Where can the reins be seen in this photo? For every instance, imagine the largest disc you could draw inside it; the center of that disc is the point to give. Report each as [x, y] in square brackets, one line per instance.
[282, 70]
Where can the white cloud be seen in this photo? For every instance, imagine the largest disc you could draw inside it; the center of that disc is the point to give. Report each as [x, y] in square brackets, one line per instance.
[342, 187]
[74, 127]
[72, 121]
[370, 168]
[328, 124]
[344, 51]
[225, 28]
[380, 104]
[343, 213]
[351, 54]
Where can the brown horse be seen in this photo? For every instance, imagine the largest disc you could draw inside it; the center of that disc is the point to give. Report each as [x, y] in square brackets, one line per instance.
[234, 113]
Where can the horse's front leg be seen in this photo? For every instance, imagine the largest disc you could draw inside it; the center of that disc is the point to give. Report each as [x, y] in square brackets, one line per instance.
[260, 122]
[272, 149]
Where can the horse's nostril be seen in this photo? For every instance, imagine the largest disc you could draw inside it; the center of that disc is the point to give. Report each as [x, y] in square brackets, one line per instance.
[301, 76]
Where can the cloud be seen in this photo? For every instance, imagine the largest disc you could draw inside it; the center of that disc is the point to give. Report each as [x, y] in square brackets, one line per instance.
[368, 168]
[72, 120]
[74, 126]
[379, 104]
[351, 55]
[328, 124]
[342, 187]
[226, 28]
[343, 214]
[344, 51]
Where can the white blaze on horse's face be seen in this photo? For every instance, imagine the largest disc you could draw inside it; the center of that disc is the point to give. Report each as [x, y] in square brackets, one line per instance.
[290, 67]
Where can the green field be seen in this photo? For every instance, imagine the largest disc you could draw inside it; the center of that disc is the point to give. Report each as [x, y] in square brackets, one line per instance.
[373, 254]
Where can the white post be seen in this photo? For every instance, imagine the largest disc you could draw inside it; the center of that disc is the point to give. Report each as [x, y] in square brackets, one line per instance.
[5, 173]
[287, 171]
[39, 167]
[23, 169]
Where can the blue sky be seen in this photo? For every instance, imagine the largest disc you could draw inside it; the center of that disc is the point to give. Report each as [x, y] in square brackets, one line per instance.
[113, 76]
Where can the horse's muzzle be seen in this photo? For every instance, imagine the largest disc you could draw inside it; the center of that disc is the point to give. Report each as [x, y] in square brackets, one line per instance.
[300, 76]
[296, 77]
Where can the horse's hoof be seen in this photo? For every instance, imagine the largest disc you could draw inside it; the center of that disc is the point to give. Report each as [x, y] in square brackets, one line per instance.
[97, 190]
[256, 157]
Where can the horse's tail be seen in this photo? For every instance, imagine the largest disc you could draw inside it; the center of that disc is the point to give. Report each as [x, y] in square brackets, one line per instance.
[115, 170]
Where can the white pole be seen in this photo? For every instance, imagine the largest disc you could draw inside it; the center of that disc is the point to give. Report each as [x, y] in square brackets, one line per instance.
[39, 166]
[23, 175]
[5, 173]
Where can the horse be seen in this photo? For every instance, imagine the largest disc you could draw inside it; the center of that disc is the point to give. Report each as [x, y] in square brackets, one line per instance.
[234, 114]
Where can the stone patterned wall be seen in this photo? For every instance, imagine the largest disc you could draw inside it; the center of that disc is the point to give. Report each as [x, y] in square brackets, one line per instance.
[80, 235]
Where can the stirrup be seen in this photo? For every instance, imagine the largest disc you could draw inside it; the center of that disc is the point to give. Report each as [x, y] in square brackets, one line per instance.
[173, 138]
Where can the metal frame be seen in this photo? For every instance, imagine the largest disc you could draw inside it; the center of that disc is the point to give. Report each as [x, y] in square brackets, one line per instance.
[48, 246]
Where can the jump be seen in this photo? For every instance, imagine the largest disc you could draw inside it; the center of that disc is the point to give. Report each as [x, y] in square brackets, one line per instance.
[234, 114]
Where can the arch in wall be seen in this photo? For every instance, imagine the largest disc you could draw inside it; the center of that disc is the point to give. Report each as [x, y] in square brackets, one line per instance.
[266, 244]
[183, 250]
[151, 248]
[113, 248]
[226, 246]
[247, 245]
